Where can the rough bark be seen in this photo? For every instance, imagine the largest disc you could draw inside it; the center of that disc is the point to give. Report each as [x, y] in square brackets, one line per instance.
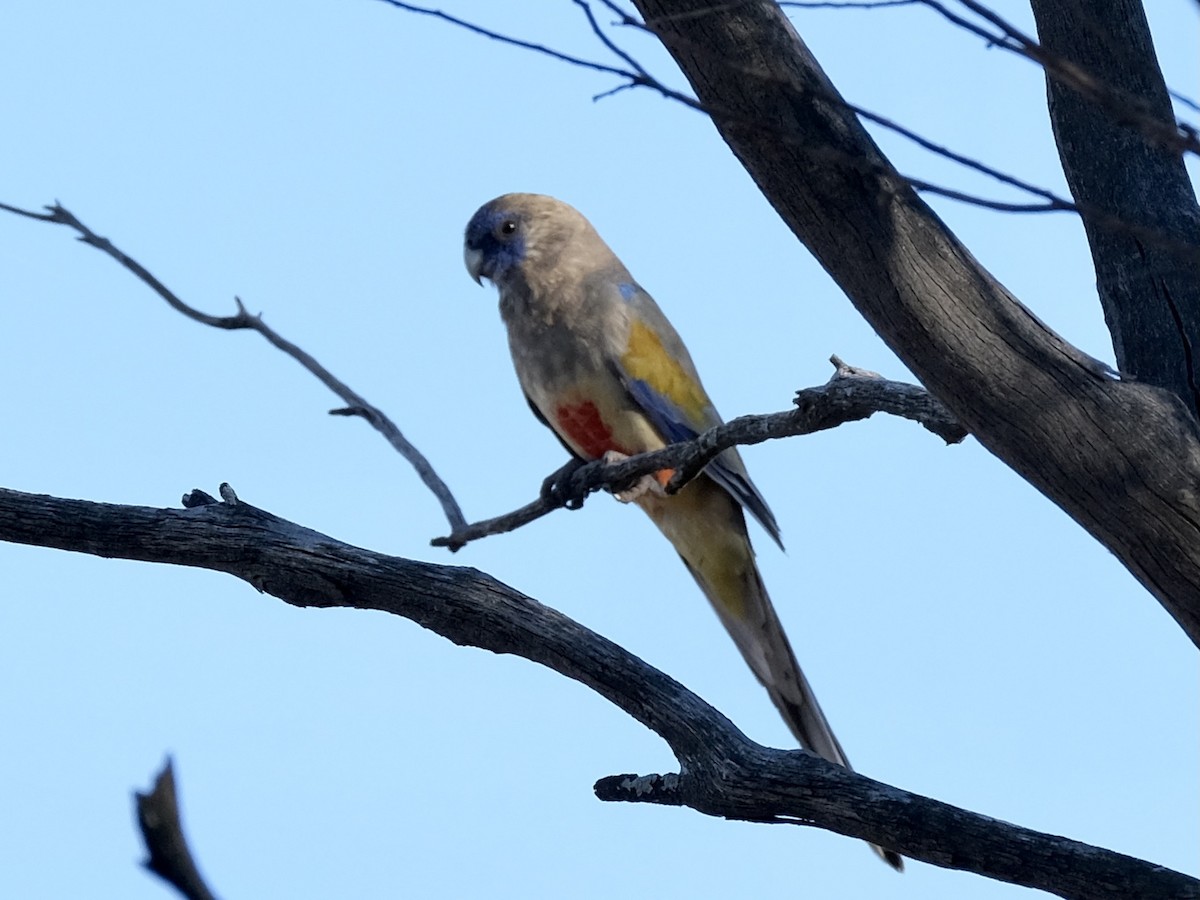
[722, 772]
[1121, 458]
[1149, 284]
[852, 394]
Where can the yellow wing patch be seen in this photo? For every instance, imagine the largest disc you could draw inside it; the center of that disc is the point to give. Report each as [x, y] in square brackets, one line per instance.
[646, 359]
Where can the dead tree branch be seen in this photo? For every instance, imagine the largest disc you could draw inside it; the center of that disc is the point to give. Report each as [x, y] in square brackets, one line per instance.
[637, 76]
[849, 396]
[722, 772]
[356, 405]
[1115, 100]
[1120, 457]
[1120, 104]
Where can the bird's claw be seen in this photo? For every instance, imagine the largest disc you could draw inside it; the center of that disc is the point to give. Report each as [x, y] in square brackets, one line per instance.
[559, 487]
[646, 484]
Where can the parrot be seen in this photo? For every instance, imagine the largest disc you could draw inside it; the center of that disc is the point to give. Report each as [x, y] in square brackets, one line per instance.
[603, 368]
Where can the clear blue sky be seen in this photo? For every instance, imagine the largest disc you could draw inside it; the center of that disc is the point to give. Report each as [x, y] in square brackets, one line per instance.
[320, 160]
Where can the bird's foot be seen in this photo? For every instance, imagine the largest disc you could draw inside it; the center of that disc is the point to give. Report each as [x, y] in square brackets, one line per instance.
[646, 484]
[559, 487]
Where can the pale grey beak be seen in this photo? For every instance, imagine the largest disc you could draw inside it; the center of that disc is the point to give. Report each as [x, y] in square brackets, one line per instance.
[474, 262]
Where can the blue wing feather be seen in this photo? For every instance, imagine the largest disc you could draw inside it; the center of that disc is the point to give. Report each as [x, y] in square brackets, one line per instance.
[670, 422]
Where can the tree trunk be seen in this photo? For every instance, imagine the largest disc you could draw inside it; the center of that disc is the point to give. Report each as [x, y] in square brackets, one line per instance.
[1148, 281]
[1122, 458]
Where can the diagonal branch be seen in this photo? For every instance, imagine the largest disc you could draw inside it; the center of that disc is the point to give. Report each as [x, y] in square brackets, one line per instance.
[819, 409]
[637, 76]
[847, 4]
[849, 396]
[356, 405]
[722, 772]
[1119, 103]
[1120, 457]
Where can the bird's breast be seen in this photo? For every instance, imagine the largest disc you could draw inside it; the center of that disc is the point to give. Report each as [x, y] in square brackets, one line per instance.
[564, 359]
[592, 412]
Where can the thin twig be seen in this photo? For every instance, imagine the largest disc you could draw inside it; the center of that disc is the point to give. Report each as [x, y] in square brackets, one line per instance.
[862, 4]
[1054, 202]
[1119, 104]
[721, 772]
[638, 76]
[1013, 40]
[1056, 205]
[356, 405]
[506, 39]
[1185, 100]
[892, 179]
[850, 395]
[634, 77]
[609, 42]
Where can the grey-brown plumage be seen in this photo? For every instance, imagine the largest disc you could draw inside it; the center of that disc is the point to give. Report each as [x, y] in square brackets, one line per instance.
[601, 365]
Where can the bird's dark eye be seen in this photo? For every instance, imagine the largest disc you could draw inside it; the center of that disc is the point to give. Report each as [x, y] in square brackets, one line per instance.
[507, 227]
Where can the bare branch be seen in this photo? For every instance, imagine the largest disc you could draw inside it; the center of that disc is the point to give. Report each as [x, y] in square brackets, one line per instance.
[356, 404]
[1119, 104]
[1120, 457]
[862, 4]
[638, 76]
[159, 822]
[506, 39]
[1054, 202]
[997, 205]
[1011, 39]
[1122, 105]
[722, 772]
[849, 396]
[608, 42]
[1184, 100]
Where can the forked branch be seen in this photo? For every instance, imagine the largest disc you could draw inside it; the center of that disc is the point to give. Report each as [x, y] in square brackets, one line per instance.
[850, 395]
[722, 772]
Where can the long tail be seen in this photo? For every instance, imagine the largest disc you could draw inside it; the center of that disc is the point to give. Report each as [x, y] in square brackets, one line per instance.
[707, 528]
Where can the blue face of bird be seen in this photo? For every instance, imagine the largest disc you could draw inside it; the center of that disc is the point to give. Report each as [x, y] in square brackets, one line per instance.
[494, 243]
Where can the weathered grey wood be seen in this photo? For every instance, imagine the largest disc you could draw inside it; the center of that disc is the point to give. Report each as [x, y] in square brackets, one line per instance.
[1149, 283]
[722, 772]
[1121, 458]
[852, 394]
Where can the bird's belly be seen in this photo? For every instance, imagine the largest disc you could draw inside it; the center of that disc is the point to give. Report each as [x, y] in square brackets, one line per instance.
[594, 419]
[583, 427]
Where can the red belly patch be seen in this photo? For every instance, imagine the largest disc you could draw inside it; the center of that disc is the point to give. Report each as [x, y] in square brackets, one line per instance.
[583, 427]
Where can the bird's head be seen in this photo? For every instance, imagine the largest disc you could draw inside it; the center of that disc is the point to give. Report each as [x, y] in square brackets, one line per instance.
[510, 236]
